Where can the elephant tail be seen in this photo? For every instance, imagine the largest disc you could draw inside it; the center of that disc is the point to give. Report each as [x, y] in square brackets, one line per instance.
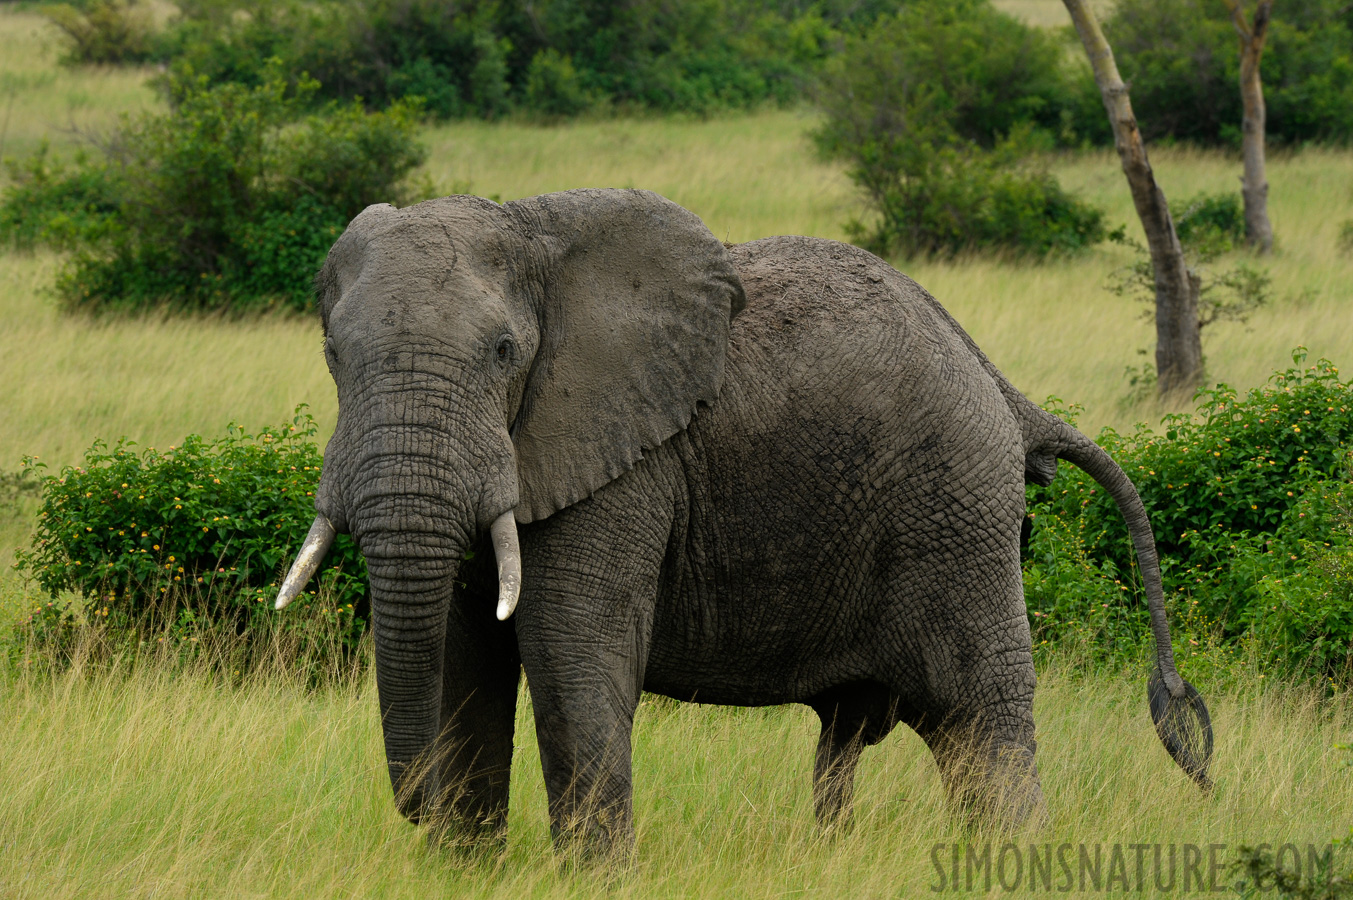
[1178, 710]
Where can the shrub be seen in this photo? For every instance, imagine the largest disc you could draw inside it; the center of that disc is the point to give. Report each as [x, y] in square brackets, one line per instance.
[962, 68]
[553, 87]
[1243, 498]
[48, 201]
[201, 530]
[1213, 223]
[1183, 62]
[939, 138]
[229, 200]
[104, 31]
[555, 58]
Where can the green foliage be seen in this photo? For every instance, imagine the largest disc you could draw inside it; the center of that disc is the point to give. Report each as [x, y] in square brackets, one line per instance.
[48, 201]
[1182, 59]
[553, 87]
[939, 136]
[1262, 874]
[551, 58]
[1212, 222]
[102, 32]
[200, 531]
[229, 200]
[1251, 512]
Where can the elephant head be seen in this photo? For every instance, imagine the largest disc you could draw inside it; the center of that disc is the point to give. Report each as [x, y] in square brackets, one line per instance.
[495, 364]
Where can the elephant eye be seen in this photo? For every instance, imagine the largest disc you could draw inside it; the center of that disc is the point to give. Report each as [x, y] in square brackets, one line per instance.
[504, 350]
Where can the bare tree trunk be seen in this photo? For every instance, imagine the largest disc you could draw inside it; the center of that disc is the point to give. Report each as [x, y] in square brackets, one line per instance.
[1179, 349]
[1254, 186]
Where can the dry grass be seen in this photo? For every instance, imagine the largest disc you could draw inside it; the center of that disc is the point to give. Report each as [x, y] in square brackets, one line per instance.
[40, 101]
[142, 782]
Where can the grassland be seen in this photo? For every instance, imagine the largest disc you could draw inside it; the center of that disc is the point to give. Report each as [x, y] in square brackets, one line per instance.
[146, 781]
[143, 783]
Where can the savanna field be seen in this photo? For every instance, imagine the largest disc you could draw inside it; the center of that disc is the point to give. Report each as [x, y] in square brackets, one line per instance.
[144, 778]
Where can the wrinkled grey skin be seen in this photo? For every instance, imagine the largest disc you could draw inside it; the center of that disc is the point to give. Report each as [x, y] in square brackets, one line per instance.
[819, 503]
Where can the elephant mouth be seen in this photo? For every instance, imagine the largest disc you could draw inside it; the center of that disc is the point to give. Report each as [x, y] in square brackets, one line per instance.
[320, 539]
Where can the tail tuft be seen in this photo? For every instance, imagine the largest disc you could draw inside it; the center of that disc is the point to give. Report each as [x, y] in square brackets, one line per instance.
[1184, 726]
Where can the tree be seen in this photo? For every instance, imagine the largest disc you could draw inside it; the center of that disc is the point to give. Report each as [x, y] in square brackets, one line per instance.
[1254, 185]
[1179, 350]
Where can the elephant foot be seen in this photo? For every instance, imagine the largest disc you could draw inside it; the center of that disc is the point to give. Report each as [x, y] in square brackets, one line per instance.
[603, 838]
[996, 787]
[467, 841]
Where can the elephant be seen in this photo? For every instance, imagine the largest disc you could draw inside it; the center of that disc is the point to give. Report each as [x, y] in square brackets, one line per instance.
[768, 473]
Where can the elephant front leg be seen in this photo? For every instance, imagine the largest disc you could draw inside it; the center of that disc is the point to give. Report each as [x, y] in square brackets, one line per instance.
[472, 760]
[585, 755]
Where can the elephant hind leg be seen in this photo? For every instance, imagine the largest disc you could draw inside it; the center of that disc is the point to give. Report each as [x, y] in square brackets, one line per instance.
[989, 772]
[853, 716]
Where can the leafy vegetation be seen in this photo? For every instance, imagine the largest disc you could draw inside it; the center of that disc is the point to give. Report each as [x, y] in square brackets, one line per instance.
[552, 58]
[102, 32]
[1253, 516]
[1183, 62]
[229, 200]
[940, 138]
[193, 535]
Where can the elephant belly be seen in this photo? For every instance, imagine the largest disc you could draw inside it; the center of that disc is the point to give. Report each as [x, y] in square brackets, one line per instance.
[854, 496]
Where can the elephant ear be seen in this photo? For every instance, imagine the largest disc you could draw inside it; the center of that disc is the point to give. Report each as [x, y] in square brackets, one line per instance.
[637, 299]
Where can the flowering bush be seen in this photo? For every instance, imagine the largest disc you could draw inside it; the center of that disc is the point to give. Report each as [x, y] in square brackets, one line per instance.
[1248, 499]
[205, 528]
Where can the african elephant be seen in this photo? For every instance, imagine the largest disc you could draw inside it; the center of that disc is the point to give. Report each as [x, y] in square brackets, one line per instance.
[770, 473]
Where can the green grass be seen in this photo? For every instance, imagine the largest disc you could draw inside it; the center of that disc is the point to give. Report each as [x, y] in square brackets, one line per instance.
[148, 781]
[143, 782]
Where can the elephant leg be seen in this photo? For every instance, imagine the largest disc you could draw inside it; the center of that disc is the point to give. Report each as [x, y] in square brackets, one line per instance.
[584, 624]
[838, 752]
[984, 740]
[473, 756]
[853, 716]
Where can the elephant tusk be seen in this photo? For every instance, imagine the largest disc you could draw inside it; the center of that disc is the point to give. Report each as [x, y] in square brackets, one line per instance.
[317, 544]
[508, 553]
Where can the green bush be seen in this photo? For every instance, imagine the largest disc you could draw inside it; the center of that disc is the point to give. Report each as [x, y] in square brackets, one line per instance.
[553, 87]
[48, 201]
[102, 32]
[201, 530]
[229, 200]
[940, 137]
[1250, 507]
[961, 69]
[1182, 59]
[1213, 222]
[555, 57]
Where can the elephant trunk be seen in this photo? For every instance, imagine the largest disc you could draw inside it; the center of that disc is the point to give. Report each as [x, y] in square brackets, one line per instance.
[410, 600]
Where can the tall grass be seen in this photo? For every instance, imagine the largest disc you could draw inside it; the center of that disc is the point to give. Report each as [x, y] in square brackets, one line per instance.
[145, 780]
[40, 101]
